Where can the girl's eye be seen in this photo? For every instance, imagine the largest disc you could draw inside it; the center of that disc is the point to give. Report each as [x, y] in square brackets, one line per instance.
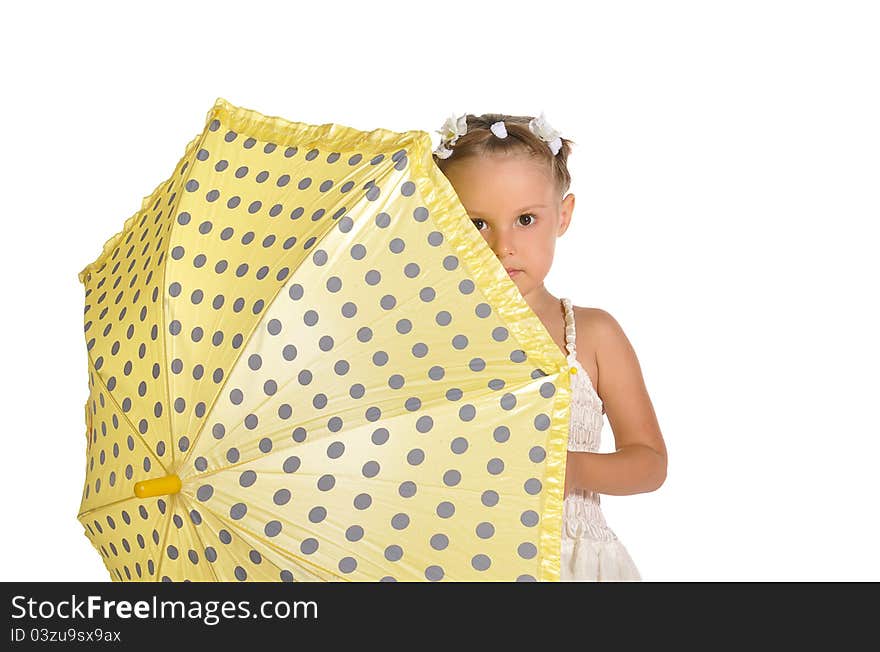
[531, 220]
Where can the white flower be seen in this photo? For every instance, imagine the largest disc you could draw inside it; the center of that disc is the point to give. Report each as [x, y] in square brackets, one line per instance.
[499, 129]
[543, 130]
[442, 152]
[453, 128]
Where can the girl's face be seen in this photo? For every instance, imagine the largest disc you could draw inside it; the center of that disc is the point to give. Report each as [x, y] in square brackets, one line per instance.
[513, 202]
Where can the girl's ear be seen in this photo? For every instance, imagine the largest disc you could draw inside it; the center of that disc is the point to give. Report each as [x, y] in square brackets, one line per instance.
[566, 210]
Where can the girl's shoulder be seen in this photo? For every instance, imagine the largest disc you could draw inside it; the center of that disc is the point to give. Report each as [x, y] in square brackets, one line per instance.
[595, 329]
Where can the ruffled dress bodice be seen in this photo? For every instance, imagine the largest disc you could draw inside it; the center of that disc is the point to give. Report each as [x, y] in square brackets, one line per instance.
[591, 551]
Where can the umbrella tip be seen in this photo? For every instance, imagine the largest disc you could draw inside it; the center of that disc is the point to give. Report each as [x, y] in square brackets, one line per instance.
[169, 484]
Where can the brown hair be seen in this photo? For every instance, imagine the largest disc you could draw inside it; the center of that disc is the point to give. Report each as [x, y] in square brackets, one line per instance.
[479, 140]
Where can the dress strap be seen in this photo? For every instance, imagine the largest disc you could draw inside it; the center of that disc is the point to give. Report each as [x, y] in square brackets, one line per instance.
[570, 334]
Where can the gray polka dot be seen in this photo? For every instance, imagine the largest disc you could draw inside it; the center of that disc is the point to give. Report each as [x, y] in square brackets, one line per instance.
[273, 528]
[408, 188]
[334, 284]
[289, 352]
[445, 509]
[354, 533]
[380, 436]
[420, 349]
[411, 270]
[232, 455]
[508, 401]
[460, 341]
[325, 343]
[489, 498]
[205, 492]
[407, 489]
[396, 245]
[247, 478]
[529, 518]
[309, 546]
[393, 553]
[291, 464]
[380, 358]
[373, 193]
[537, 454]
[395, 381]
[542, 422]
[365, 334]
[349, 309]
[434, 573]
[281, 497]
[483, 310]
[466, 286]
[518, 355]
[477, 364]
[310, 318]
[450, 262]
[443, 318]
[467, 412]
[435, 238]
[295, 292]
[424, 424]
[358, 251]
[499, 334]
[427, 294]
[388, 302]
[341, 367]
[454, 394]
[451, 478]
[532, 486]
[372, 277]
[459, 445]
[403, 326]
[413, 403]
[383, 220]
[495, 466]
[501, 434]
[485, 530]
[527, 550]
[326, 482]
[436, 373]
[370, 469]
[548, 390]
[317, 514]
[416, 456]
[237, 511]
[346, 224]
[439, 542]
[362, 501]
[481, 562]
[400, 521]
[335, 450]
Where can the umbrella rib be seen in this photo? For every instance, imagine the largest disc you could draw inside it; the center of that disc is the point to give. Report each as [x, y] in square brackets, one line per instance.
[242, 349]
[104, 506]
[284, 552]
[162, 545]
[195, 530]
[127, 420]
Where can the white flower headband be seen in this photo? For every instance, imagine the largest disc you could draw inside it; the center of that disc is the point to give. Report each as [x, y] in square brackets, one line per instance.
[455, 127]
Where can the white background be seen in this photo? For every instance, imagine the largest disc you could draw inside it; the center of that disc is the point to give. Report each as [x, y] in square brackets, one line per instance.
[726, 172]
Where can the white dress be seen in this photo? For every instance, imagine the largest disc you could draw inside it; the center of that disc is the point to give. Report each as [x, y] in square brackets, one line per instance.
[591, 552]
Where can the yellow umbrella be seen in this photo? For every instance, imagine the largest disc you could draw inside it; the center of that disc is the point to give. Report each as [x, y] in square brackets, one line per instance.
[306, 364]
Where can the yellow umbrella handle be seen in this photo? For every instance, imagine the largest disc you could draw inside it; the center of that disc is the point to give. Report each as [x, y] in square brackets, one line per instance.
[170, 484]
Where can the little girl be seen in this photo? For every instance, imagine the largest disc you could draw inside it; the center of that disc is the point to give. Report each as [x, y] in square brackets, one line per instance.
[511, 176]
